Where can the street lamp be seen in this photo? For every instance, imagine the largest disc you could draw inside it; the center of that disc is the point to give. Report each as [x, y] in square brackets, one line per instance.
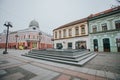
[16, 40]
[40, 37]
[7, 24]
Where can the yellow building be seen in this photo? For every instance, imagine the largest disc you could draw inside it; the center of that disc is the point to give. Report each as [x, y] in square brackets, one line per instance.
[73, 35]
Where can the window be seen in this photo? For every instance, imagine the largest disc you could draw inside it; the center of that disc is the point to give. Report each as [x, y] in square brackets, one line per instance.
[0, 39]
[70, 32]
[70, 45]
[29, 36]
[76, 30]
[59, 45]
[34, 28]
[64, 33]
[37, 37]
[33, 36]
[55, 34]
[94, 28]
[24, 36]
[104, 27]
[83, 29]
[117, 24]
[59, 34]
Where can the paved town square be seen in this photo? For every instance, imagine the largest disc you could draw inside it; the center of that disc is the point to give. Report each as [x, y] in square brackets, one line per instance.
[59, 40]
[13, 66]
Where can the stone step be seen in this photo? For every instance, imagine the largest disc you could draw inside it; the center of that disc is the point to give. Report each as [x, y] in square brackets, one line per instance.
[63, 56]
[51, 57]
[80, 63]
[77, 59]
[68, 53]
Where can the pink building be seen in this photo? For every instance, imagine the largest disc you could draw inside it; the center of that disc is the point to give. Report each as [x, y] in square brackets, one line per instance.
[28, 38]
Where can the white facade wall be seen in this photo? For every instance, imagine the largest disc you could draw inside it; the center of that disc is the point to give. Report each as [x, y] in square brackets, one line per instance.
[73, 40]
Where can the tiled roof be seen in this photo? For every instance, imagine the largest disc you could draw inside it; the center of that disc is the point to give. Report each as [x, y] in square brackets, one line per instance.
[72, 23]
[91, 16]
[105, 12]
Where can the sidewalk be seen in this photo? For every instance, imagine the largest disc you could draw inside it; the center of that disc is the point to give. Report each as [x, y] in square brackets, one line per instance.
[13, 66]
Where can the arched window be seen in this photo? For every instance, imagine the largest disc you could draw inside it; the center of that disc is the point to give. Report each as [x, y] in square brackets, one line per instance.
[55, 34]
[83, 29]
[64, 33]
[60, 34]
[70, 32]
[76, 30]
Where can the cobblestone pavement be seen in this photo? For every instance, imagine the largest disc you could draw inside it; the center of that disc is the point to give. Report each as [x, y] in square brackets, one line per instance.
[13, 66]
[106, 62]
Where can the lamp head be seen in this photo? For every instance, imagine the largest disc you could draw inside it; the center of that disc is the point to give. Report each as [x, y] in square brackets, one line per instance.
[7, 24]
[10, 24]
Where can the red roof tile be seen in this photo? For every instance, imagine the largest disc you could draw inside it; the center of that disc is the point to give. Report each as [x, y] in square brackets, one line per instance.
[72, 23]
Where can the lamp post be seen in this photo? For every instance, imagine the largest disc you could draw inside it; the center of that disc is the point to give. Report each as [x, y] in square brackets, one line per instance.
[7, 24]
[16, 41]
[40, 37]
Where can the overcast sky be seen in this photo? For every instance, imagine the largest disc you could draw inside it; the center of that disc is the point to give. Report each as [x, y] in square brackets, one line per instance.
[50, 14]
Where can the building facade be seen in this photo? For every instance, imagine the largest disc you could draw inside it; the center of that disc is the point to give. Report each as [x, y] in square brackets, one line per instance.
[104, 31]
[28, 38]
[73, 35]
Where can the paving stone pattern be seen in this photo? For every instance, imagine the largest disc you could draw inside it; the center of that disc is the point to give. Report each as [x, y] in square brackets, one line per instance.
[18, 72]
[105, 62]
[16, 67]
[3, 62]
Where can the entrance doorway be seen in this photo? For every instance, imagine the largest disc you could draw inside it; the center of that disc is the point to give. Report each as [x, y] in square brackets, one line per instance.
[95, 43]
[118, 44]
[34, 44]
[106, 45]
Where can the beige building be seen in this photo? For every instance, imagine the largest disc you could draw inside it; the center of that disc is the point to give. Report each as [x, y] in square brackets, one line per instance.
[73, 35]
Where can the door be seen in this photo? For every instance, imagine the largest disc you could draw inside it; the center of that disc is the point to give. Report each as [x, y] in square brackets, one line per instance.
[106, 45]
[95, 43]
[118, 44]
[34, 44]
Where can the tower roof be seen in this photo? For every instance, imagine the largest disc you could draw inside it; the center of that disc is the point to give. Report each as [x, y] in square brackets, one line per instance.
[34, 23]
